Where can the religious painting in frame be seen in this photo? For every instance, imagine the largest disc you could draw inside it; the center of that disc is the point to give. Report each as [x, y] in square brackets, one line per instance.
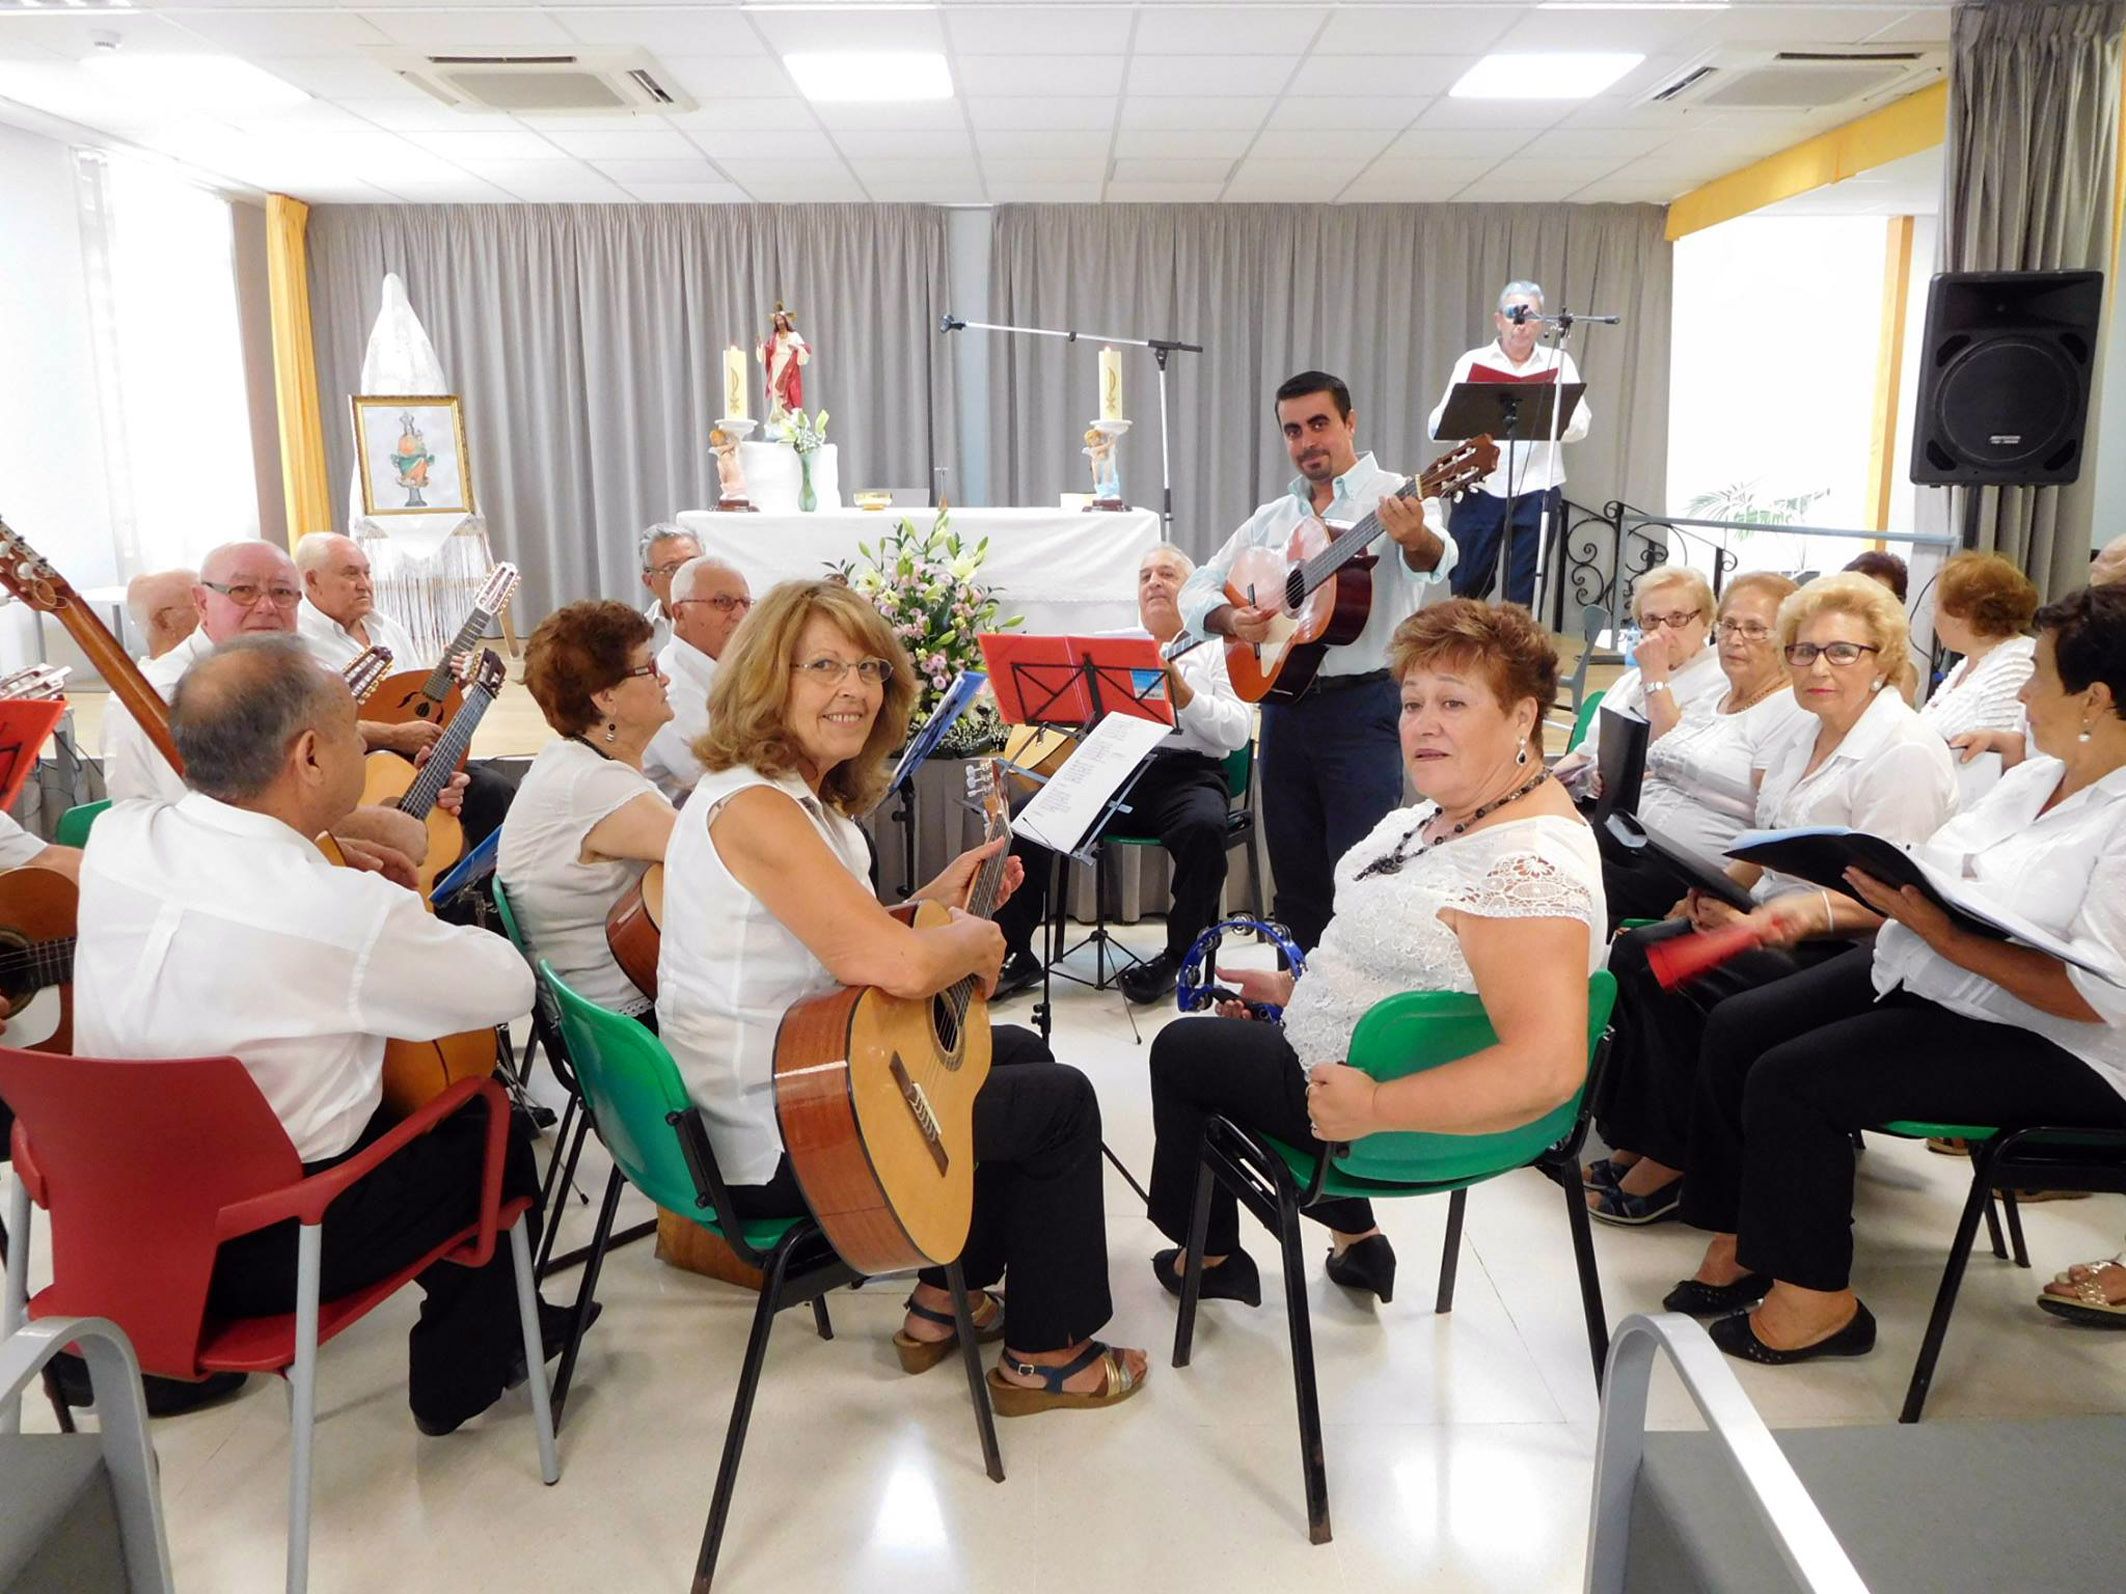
[409, 451]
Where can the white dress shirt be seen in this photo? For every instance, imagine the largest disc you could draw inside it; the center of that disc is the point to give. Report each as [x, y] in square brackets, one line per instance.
[1701, 786]
[669, 760]
[17, 846]
[133, 767]
[335, 647]
[1891, 776]
[561, 901]
[1398, 591]
[729, 969]
[660, 624]
[2065, 871]
[1217, 719]
[208, 930]
[1523, 467]
[1984, 697]
[1694, 689]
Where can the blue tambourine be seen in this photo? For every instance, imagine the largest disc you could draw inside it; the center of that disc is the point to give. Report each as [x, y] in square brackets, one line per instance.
[1196, 989]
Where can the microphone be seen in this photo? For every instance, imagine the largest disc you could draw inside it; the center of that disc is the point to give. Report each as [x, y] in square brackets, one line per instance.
[949, 322]
[1519, 314]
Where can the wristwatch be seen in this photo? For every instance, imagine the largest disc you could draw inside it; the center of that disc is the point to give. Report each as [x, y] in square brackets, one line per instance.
[1655, 686]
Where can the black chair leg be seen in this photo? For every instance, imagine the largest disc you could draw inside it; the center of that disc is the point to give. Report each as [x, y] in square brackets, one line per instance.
[544, 1264]
[1450, 1255]
[1952, 1278]
[1199, 1228]
[1301, 1327]
[1584, 1259]
[586, 1293]
[985, 1420]
[734, 1439]
[2014, 1211]
[1993, 1229]
[559, 1155]
[820, 1320]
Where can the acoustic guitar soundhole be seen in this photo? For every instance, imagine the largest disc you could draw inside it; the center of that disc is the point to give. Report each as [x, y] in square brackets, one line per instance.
[945, 1020]
[18, 983]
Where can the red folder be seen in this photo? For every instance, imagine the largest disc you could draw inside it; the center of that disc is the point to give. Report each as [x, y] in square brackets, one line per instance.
[24, 725]
[1070, 680]
[1491, 373]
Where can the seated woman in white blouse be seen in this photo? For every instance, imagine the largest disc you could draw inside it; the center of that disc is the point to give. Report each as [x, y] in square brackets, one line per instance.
[1490, 884]
[1673, 671]
[586, 822]
[1701, 778]
[1935, 1023]
[1982, 608]
[1859, 757]
[769, 903]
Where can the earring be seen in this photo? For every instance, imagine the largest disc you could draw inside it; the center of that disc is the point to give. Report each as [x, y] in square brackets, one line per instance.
[1875, 686]
[612, 732]
[2086, 733]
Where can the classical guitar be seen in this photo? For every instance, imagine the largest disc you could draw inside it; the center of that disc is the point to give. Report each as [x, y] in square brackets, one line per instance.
[1322, 584]
[37, 909]
[34, 682]
[26, 573]
[875, 1096]
[394, 782]
[634, 929]
[433, 695]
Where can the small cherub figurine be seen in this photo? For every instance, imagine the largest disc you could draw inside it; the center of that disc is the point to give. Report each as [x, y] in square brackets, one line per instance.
[730, 477]
[1107, 477]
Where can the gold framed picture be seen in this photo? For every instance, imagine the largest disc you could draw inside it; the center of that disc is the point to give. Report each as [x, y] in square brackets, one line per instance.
[409, 450]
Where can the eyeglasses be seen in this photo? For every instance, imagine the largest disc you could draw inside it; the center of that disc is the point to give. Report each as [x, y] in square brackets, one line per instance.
[640, 669]
[1802, 654]
[1748, 630]
[1675, 622]
[832, 672]
[246, 596]
[673, 567]
[722, 603]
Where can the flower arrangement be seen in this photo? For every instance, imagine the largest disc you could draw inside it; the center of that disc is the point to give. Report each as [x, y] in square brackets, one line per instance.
[924, 583]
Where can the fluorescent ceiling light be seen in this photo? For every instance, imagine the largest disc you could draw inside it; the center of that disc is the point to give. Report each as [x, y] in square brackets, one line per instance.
[849, 76]
[1542, 77]
[193, 83]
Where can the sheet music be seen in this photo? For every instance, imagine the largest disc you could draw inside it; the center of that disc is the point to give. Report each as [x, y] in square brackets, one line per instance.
[958, 696]
[1064, 812]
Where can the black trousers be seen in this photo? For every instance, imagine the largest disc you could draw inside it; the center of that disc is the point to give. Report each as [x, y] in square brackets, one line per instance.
[1646, 1089]
[488, 794]
[1643, 888]
[1791, 1071]
[1237, 1069]
[1332, 769]
[467, 1340]
[1038, 1206]
[1478, 521]
[1181, 799]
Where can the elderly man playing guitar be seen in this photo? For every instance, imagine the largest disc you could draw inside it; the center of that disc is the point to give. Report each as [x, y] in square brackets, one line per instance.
[1331, 767]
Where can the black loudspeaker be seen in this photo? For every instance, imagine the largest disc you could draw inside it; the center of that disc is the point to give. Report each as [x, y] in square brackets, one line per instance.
[2004, 383]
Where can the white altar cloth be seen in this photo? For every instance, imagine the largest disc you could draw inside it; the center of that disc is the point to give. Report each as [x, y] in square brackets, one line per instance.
[1067, 572]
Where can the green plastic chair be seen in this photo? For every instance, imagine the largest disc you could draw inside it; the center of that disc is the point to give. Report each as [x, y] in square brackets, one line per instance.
[76, 822]
[1584, 720]
[639, 1105]
[1405, 1034]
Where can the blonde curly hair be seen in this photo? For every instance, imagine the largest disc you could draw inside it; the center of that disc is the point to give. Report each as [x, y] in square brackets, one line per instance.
[1873, 605]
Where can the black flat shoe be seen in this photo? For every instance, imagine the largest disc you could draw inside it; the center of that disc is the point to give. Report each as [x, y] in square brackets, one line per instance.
[1717, 1300]
[1234, 1279]
[1021, 972]
[1367, 1264]
[1146, 982]
[1735, 1336]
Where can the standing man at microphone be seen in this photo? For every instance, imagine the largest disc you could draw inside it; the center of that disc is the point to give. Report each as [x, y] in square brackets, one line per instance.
[1530, 475]
[1331, 759]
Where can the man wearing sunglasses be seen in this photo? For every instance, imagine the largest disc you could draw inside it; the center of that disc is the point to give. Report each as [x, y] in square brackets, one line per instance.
[708, 599]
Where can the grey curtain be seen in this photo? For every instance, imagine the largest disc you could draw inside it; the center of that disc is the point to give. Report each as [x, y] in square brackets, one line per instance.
[587, 342]
[2028, 174]
[1385, 296]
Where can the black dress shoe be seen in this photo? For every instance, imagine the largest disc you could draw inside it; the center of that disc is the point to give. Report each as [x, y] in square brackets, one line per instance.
[1367, 1264]
[554, 1324]
[1717, 1300]
[1234, 1279]
[1144, 983]
[1022, 971]
[1735, 1336]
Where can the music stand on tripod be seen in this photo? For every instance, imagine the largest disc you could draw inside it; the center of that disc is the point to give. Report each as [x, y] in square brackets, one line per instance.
[1536, 410]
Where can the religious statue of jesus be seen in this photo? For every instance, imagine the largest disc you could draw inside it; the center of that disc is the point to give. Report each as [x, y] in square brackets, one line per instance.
[785, 354]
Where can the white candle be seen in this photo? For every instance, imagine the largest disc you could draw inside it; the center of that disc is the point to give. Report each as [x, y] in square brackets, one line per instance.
[735, 372]
[1111, 384]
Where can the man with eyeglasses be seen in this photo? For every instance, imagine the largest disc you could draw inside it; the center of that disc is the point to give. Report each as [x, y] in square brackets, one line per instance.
[708, 599]
[665, 549]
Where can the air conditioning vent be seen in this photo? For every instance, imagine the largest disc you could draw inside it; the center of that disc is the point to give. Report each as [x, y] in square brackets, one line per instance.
[588, 83]
[1687, 81]
[1798, 80]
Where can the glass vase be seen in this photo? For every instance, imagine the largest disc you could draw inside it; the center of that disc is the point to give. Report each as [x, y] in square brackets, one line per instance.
[807, 500]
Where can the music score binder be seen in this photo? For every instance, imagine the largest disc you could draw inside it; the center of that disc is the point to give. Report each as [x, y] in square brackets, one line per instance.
[1072, 681]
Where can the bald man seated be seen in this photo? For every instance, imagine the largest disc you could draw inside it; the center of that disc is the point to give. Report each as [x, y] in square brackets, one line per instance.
[709, 598]
[245, 588]
[160, 604]
[213, 926]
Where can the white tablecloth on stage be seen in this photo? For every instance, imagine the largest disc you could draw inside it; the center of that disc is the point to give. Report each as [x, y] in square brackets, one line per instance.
[1066, 571]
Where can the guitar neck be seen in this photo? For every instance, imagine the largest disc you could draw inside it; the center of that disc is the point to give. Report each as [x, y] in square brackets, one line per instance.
[39, 965]
[1351, 541]
[437, 686]
[444, 755]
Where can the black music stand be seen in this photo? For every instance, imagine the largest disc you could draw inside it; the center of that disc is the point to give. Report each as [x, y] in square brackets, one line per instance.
[1516, 412]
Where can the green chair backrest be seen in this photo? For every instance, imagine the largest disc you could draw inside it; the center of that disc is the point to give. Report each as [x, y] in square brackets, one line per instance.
[1239, 770]
[631, 1085]
[1585, 719]
[1417, 1030]
[508, 916]
[75, 823]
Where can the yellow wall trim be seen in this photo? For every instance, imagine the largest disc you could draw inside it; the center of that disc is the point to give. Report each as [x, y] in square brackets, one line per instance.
[1903, 127]
[295, 368]
[1889, 368]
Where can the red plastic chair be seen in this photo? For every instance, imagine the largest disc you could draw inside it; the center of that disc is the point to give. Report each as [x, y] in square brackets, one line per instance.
[147, 1166]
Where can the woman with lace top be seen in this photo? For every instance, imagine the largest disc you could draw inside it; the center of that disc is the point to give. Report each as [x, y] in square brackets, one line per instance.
[1491, 884]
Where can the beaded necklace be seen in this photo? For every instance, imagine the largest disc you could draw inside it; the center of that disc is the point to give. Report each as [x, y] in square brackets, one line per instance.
[1391, 863]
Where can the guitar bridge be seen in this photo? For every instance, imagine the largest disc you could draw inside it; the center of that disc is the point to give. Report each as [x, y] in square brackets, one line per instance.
[920, 1109]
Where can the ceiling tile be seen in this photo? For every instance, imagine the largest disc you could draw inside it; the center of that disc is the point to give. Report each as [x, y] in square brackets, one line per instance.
[1044, 193]
[470, 31]
[878, 144]
[1640, 32]
[1531, 114]
[1390, 112]
[1803, 24]
[1916, 27]
[492, 144]
[1461, 30]
[795, 182]
[1162, 193]
[688, 193]
[349, 191]
[293, 33]
[910, 115]
[1213, 114]
[1300, 181]
[1562, 176]
[73, 34]
[1137, 169]
[460, 188]
[621, 143]
[1582, 143]
[1208, 75]
[785, 112]
[1255, 30]
[1388, 76]
[1045, 171]
[1036, 74]
[417, 115]
[1606, 112]
[1620, 191]
[765, 143]
[885, 28]
[1022, 30]
[1089, 145]
[716, 77]
[676, 31]
[1169, 143]
[1459, 144]
[1037, 115]
[927, 191]
[1321, 143]
[343, 77]
[628, 173]
[1420, 179]
[1521, 190]
[566, 185]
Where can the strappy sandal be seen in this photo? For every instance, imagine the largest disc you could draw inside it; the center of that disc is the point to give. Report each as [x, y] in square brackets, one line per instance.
[1615, 1204]
[2089, 1305]
[1018, 1400]
[920, 1355]
[1604, 1173]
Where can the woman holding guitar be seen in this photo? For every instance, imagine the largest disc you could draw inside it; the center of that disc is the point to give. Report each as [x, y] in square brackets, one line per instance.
[769, 906]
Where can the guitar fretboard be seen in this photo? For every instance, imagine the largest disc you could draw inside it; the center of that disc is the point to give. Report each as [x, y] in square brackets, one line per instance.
[444, 755]
[437, 686]
[38, 964]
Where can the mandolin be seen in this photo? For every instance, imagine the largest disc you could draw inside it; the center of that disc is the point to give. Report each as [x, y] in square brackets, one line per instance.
[393, 782]
[634, 929]
[434, 695]
[874, 1095]
[37, 910]
[1322, 584]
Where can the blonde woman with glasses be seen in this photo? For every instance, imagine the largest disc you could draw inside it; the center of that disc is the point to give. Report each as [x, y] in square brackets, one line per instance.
[1673, 674]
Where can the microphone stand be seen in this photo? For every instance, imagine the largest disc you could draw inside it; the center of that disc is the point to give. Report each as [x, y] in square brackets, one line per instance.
[1162, 349]
[1559, 332]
